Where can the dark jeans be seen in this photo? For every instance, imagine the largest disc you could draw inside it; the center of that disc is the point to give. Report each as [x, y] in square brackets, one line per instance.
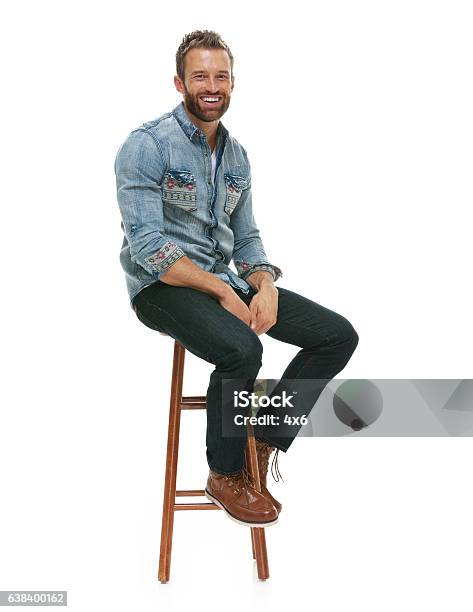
[211, 332]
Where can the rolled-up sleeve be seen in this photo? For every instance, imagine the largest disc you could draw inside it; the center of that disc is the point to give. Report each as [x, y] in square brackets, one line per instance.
[248, 252]
[139, 170]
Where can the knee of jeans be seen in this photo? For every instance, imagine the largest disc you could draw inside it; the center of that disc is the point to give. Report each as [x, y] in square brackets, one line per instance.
[355, 338]
[246, 355]
[250, 351]
[348, 335]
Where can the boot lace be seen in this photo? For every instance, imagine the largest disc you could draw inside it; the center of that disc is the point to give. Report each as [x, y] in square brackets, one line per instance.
[240, 481]
[265, 452]
[275, 465]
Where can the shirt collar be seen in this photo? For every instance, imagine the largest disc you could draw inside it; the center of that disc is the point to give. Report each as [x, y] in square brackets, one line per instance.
[188, 127]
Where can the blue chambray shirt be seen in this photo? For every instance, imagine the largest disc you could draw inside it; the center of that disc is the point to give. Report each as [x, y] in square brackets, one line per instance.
[170, 208]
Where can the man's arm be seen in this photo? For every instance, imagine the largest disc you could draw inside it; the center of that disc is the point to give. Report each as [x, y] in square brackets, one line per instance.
[258, 280]
[253, 265]
[249, 255]
[185, 273]
[139, 169]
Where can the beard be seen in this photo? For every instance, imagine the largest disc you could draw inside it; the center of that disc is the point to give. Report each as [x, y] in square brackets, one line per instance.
[193, 106]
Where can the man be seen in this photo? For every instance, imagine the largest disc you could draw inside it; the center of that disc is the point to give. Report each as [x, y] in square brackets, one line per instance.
[184, 191]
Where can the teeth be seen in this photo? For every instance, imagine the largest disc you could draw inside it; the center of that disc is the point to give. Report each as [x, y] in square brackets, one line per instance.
[210, 99]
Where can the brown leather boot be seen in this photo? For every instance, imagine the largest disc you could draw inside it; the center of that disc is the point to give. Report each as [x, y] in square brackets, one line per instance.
[239, 499]
[263, 451]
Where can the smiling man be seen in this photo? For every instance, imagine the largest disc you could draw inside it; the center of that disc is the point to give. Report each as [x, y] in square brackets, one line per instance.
[184, 192]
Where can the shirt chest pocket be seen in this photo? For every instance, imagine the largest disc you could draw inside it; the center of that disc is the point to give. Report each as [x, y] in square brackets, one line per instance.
[179, 189]
[234, 186]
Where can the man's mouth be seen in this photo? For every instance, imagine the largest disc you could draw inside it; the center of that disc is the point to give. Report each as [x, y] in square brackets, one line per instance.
[210, 100]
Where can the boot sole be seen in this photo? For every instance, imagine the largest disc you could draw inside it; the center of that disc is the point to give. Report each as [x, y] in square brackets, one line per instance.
[234, 518]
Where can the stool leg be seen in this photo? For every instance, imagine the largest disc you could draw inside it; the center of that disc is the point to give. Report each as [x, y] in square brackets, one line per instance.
[253, 544]
[258, 538]
[171, 463]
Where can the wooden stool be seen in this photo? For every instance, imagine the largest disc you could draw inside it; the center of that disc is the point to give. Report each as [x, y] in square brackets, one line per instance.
[178, 403]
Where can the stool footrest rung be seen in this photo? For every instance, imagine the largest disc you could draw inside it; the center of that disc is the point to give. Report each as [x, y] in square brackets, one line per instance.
[193, 402]
[190, 493]
[198, 506]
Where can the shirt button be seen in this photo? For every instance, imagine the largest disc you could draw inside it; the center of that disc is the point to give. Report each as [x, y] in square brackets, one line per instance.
[209, 182]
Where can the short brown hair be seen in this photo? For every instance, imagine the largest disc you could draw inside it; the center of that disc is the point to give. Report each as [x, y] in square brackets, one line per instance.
[200, 39]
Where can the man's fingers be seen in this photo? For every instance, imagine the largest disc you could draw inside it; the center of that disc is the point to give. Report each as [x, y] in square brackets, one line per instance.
[261, 320]
[258, 324]
[264, 326]
[254, 315]
[261, 326]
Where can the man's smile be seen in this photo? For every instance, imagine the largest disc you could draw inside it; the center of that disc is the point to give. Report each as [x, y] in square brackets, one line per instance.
[210, 101]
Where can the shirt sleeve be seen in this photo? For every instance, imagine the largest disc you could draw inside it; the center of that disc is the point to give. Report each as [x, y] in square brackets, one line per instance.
[248, 252]
[139, 170]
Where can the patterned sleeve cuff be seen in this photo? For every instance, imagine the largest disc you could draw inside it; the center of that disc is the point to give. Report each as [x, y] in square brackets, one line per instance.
[245, 269]
[164, 258]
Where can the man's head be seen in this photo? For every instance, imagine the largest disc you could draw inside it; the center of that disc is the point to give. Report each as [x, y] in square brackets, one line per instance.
[204, 66]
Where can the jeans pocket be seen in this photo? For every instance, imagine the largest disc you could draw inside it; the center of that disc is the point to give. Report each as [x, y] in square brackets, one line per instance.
[234, 187]
[180, 189]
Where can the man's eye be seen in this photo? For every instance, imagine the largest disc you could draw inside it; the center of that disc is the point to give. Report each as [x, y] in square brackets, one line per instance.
[199, 77]
[223, 76]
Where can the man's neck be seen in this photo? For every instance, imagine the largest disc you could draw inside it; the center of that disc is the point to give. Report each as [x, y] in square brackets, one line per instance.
[209, 128]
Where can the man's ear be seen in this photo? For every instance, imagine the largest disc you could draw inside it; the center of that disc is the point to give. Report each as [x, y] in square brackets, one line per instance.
[233, 82]
[179, 85]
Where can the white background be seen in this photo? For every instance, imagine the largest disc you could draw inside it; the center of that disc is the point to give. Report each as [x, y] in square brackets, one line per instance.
[357, 119]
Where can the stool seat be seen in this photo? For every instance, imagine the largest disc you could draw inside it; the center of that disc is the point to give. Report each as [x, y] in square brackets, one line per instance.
[170, 505]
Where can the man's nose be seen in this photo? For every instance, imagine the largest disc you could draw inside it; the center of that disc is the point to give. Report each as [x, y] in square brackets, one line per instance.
[212, 85]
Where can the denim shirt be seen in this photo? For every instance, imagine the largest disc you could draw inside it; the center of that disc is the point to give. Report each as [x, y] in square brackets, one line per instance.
[171, 208]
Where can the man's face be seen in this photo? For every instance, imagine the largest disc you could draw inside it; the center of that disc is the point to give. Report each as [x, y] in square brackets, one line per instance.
[207, 84]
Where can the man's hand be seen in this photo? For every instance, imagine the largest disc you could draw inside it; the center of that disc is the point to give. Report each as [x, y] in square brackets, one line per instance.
[235, 305]
[264, 308]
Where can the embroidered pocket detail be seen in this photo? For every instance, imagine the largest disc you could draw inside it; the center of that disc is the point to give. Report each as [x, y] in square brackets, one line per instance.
[234, 185]
[179, 188]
